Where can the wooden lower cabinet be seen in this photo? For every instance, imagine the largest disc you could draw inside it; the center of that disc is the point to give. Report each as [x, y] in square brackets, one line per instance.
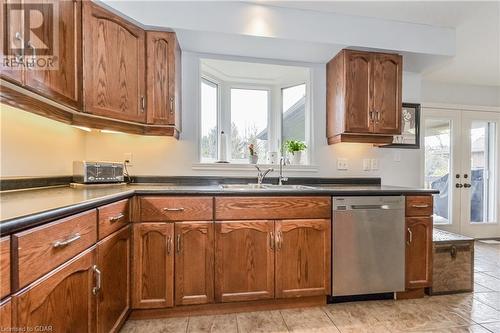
[62, 300]
[418, 252]
[303, 258]
[244, 260]
[153, 265]
[6, 315]
[194, 263]
[113, 299]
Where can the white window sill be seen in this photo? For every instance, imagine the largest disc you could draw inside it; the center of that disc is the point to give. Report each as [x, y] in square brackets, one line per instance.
[248, 167]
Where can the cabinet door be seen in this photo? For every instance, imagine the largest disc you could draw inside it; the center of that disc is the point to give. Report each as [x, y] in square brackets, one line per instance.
[12, 45]
[113, 260]
[387, 73]
[153, 265]
[194, 263]
[6, 315]
[357, 90]
[113, 65]
[418, 252]
[244, 260]
[159, 67]
[62, 83]
[63, 299]
[303, 255]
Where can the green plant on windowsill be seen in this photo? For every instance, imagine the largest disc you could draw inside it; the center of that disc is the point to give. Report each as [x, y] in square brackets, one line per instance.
[295, 148]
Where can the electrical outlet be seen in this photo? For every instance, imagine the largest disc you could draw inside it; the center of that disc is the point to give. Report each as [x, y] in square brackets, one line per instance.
[342, 164]
[367, 164]
[374, 164]
[127, 157]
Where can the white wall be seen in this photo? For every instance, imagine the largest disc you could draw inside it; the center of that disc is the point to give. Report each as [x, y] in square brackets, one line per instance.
[36, 146]
[460, 94]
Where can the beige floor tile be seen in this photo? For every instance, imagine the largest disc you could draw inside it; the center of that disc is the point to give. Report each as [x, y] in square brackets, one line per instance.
[493, 327]
[213, 324]
[168, 325]
[487, 280]
[308, 320]
[463, 329]
[481, 289]
[469, 308]
[263, 321]
[492, 299]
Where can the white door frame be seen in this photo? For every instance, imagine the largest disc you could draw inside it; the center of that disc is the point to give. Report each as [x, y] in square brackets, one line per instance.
[460, 118]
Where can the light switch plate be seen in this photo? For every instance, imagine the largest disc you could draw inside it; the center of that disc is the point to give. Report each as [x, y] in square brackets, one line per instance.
[374, 163]
[342, 164]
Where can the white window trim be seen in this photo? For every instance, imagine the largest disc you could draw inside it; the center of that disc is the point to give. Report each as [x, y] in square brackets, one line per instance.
[217, 83]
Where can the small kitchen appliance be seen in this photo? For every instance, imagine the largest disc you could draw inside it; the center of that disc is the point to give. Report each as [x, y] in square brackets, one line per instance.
[88, 172]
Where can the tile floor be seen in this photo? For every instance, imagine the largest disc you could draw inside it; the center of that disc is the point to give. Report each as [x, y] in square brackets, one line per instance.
[477, 312]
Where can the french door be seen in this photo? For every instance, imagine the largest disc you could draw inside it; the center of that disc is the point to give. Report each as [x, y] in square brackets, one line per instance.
[461, 160]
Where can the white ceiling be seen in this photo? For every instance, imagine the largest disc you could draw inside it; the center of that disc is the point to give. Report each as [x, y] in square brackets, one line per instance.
[437, 13]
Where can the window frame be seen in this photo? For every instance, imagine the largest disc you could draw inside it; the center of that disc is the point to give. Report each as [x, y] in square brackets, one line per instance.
[212, 82]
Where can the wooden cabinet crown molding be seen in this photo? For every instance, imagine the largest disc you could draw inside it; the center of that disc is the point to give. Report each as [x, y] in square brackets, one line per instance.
[363, 101]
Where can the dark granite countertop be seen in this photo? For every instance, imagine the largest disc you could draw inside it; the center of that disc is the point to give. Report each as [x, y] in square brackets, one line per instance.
[31, 207]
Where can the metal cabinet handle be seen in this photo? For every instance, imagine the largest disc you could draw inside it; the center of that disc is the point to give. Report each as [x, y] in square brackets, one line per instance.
[171, 105]
[410, 237]
[169, 245]
[178, 243]
[31, 46]
[467, 185]
[372, 118]
[143, 104]
[174, 209]
[420, 206]
[271, 240]
[378, 115]
[18, 36]
[67, 241]
[458, 185]
[97, 287]
[116, 218]
[279, 240]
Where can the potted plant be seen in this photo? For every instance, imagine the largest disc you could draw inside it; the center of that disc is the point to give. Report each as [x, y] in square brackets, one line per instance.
[295, 148]
[252, 157]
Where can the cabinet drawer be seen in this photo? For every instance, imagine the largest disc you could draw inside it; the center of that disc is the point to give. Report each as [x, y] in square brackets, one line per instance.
[419, 205]
[248, 208]
[155, 209]
[41, 249]
[112, 217]
[4, 267]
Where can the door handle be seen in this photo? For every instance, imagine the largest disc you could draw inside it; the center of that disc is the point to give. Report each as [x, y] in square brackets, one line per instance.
[116, 218]
[169, 245]
[171, 105]
[271, 240]
[179, 243]
[67, 241]
[143, 104]
[97, 287]
[410, 236]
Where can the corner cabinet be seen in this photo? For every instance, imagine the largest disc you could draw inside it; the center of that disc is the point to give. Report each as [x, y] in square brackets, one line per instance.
[364, 102]
[113, 65]
[163, 78]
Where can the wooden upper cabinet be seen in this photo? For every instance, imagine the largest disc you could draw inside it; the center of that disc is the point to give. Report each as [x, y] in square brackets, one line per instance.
[153, 265]
[357, 101]
[194, 263]
[418, 252]
[113, 65]
[364, 97]
[12, 42]
[386, 99]
[303, 258]
[113, 299]
[163, 78]
[63, 299]
[64, 83]
[244, 260]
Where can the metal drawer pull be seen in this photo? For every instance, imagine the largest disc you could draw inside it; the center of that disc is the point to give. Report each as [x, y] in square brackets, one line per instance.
[169, 245]
[178, 243]
[97, 287]
[420, 206]
[369, 206]
[171, 105]
[67, 241]
[116, 218]
[173, 209]
[410, 238]
[271, 240]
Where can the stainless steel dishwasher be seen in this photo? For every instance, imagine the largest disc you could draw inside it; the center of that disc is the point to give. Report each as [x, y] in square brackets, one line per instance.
[368, 245]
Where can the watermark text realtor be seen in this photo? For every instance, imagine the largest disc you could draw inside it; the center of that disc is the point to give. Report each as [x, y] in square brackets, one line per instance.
[31, 35]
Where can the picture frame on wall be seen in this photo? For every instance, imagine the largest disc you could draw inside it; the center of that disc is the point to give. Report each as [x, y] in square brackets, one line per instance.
[410, 128]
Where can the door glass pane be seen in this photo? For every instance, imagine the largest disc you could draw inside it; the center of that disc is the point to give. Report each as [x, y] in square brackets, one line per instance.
[209, 106]
[482, 176]
[438, 166]
[249, 119]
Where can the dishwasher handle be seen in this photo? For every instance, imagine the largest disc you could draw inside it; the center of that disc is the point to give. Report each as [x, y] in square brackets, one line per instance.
[354, 207]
